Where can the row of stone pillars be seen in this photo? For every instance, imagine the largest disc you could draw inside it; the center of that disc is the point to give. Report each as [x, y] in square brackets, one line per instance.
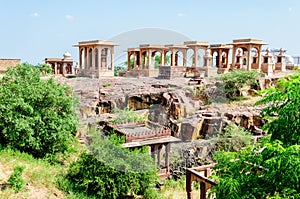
[156, 153]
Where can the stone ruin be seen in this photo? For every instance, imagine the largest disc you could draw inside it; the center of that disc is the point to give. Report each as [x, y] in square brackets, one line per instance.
[150, 134]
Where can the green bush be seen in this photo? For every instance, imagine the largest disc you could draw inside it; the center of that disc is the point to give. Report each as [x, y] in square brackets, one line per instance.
[233, 138]
[16, 178]
[118, 69]
[36, 116]
[110, 171]
[235, 80]
[282, 110]
[266, 170]
[106, 84]
[127, 115]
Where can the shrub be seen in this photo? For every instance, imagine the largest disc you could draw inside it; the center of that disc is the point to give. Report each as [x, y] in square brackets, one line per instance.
[106, 84]
[282, 110]
[36, 116]
[233, 138]
[235, 80]
[127, 115]
[110, 171]
[16, 178]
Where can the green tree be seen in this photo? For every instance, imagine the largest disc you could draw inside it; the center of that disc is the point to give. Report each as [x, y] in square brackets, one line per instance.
[110, 171]
[283, 110]
[36, 116]
[263, 171]
[271, 168]
[235, 80]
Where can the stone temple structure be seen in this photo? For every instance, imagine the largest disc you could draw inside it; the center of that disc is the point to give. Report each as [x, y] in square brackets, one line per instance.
[61, 66]
[5, 63]
[153, 135]
[96, 58]
[169, 61]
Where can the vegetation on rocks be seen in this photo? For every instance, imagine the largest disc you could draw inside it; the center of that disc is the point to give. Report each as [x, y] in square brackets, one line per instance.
[269, 169]
[234, 81]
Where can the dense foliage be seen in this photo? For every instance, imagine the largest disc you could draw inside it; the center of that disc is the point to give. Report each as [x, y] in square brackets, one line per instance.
[110, 171]
[235, 80]
[232, 138]
[36, 116]
[283, 110]
[271, 168]
[266, 170]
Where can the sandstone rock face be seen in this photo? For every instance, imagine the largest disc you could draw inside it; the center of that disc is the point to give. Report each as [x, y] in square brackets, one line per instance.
[171, 103]
[247, 117]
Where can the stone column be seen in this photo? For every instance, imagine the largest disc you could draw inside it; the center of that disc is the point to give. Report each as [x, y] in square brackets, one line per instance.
[85, 58]
[162, 58]
[100, 62]
[259, 59]
[233, 56]
[154, 153]
[112, 57]
[88, 60]
[80, 58]
[184, 54]
[220, 58]
[93, 59]
[134, 60]
[55, 68]
[64, 65]
[227, 59]
[173, 58]
[145, 63]
[141, 60]
[196, 57]
[167, 157]
[249, 58]
[128, 61]
[99, 58]
[149, 59]
[159, 156]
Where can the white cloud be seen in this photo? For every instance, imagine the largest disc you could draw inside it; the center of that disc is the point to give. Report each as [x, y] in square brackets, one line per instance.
[290, 9]
[180, 14]
[35, 14]
[69, 17]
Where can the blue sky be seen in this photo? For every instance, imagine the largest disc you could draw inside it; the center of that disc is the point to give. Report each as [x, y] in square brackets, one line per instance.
[34, 29]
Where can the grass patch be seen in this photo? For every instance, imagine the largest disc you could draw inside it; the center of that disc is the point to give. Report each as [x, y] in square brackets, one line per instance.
[106, 84]
[40, 176]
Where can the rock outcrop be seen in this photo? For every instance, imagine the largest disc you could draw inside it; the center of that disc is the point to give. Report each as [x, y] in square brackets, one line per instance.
[172, 103]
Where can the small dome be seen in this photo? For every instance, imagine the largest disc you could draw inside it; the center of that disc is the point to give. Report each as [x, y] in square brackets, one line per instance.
[208, 53]
[67, 55]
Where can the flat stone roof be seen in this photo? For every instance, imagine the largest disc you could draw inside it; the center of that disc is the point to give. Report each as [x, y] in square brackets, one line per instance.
[95, 42]
[196, 43]
[160, 46]
[151, 141]
[176, 46]
[58, 60]
[225, 46]
[133, 49]
[248, 41]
